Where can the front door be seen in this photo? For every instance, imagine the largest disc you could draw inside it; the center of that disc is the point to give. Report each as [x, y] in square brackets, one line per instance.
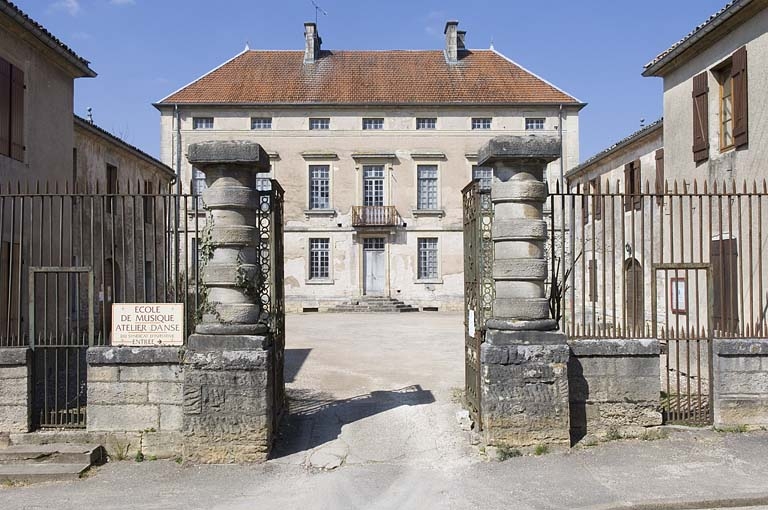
[374, 265]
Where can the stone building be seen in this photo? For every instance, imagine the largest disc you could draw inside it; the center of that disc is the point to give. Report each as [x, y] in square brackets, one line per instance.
[373, 149]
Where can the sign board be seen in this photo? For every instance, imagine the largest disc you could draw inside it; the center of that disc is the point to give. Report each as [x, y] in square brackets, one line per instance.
[142, 324]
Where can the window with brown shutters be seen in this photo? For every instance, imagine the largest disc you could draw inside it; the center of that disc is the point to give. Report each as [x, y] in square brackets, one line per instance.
[585, 204]
[592, 270]
[740, 103]
[700, 118]
[596, 199]
[632, 186]
[11, 110]
[659, 185]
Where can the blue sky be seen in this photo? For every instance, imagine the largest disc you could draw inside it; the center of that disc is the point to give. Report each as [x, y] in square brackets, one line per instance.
[593, 49]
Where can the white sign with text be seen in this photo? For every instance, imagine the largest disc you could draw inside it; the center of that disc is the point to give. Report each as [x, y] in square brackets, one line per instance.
[141, 324]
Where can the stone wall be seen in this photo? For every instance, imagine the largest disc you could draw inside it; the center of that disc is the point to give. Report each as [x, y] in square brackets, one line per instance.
[614, 386]
[136, 393]
[741, 382]
[15, 389]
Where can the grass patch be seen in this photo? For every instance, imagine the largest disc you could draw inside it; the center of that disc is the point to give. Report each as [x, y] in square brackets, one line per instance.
[735, 429]
[541, 449]
[506, 452]
[653, 435]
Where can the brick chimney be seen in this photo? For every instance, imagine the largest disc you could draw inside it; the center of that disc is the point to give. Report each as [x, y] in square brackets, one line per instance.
[312, 42]
[451, 42]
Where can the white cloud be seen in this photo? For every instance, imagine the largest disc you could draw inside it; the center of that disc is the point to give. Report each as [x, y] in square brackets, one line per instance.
[122, 2]
[71, 6]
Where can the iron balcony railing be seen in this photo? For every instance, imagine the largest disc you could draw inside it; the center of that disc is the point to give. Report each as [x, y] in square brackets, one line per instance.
[375, 216]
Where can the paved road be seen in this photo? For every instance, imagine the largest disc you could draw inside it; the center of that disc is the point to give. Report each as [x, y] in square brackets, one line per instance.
[374, 395]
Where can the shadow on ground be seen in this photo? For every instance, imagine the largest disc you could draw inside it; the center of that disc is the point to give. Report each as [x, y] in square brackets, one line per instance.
[294, 360]
[315, 418]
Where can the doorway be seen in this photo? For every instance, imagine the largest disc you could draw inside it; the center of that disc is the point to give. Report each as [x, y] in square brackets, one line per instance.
[374, 266]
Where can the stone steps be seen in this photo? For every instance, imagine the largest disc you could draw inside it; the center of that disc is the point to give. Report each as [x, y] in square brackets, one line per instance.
[373, 304]
[26, 463]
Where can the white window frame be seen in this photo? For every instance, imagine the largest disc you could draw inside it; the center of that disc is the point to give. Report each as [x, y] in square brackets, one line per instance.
[426, 123]
[319, 123]
[261, 123]
[373, 123]
[535, 123]
[312, 205]
[198, 185]
[422, 250]
[382, 178]
[202, 123]
[315, 249]
[479, 123]
[423, 195]
[485, 180]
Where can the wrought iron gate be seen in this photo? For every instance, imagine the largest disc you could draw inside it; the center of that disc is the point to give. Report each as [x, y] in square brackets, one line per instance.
[686, 341]
[59, 343]
[478, 287]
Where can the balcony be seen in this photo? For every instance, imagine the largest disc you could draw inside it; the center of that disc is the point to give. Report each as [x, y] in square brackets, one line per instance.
[375, 216]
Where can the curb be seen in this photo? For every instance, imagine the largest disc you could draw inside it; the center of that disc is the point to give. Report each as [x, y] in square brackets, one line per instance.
[672, 504]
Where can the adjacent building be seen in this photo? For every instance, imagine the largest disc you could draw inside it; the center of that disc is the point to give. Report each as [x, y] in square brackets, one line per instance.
[372, 149]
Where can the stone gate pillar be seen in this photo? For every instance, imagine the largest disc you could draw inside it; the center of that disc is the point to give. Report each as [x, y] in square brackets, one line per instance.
[523, 359]
[228, 394]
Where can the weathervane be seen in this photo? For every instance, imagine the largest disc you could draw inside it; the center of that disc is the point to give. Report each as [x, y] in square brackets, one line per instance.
[318, 8]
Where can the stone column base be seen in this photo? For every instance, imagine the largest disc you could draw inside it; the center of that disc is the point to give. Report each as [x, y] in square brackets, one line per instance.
[525, 388]
[15, 389]
[228, 399]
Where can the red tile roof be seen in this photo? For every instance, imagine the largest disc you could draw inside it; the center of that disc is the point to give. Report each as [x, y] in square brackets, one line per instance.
[369, 77]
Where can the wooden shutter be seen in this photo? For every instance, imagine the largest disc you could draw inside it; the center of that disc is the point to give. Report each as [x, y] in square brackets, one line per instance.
[637, 184]
[592, 268]
[723, 258]
[740, 103]
[5, 107]
[700, 118]
[585, 204]
[659, 185]
[597, 205]
[17, 113]
[628, 186]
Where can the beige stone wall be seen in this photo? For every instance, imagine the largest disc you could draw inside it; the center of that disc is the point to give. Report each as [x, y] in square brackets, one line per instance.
[452, 147]
[48, 133]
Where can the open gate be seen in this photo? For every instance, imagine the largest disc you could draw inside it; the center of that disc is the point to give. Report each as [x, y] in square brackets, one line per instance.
[478, 287]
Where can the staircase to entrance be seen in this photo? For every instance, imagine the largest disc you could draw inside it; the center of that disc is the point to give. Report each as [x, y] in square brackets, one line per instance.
[373, 304]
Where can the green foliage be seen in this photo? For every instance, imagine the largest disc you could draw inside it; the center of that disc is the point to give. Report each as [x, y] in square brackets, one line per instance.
[653, 435]
[734, 429]
[541, 449]
[139, 456]
[506, 452]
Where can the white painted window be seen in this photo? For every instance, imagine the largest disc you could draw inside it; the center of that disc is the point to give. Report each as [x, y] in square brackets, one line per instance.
[261, 122]
[371, 123]
[426, 123]
[481, 122]
[319, 258]
[373, 185]
[198, 185]
[428, 262]
[319, 123]
[534, 124]
[319, 186]
[484, 174]
[202, 122]
[426, 187]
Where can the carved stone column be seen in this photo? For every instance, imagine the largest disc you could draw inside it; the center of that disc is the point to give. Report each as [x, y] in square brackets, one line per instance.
[228, 378]
[524, 360]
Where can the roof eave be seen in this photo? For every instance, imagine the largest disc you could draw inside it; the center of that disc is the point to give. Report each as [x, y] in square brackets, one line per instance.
[170, 104]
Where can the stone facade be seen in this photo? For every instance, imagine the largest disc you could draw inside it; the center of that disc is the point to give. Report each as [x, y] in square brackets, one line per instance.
[15, 389]
[740, 369]
[135, 399]
[614, 386]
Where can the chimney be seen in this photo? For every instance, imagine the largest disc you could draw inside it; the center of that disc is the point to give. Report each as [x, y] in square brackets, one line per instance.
[312, 42]
[461, 37]
[451, 43]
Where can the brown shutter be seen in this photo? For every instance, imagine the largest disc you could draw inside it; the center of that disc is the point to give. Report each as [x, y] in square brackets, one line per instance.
[700, 118]
[740, 103]
[659, 176]
[585, 204]
[17, 113]
[592, 268]
[627, 186]
[5, 107]
[597, 206]
[638, 185]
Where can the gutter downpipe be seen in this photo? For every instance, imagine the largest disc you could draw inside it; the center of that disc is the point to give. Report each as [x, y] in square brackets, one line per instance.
[176, 220]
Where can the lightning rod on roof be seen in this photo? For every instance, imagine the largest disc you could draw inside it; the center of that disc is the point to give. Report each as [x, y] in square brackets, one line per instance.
[90, 114]
[318, 8]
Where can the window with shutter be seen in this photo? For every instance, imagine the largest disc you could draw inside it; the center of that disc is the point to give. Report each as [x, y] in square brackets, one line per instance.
[17, 113]
[740, 103]
[632, 196]
[700, 118]
[628, 186]
[659, 185]
[637, 187]
[5, 107]
[596, 198]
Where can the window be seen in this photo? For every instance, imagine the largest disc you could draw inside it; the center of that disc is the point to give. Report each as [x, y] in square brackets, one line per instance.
[198, 185]
[427, 258]
[373, 123]
[723, 258]
[726, 109]
[11, 111]
[426, 123]
[149, 202]
[596, 192]
[660, 179]
[111, 187]
[632, 188]
[319, 123]
[534, 124]
[261, 122]
[319, 258]
[426, 187]
[481, 123]
[700, 118]
[202, 122]
[373, 185]
[319, 187]
[484, 174]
